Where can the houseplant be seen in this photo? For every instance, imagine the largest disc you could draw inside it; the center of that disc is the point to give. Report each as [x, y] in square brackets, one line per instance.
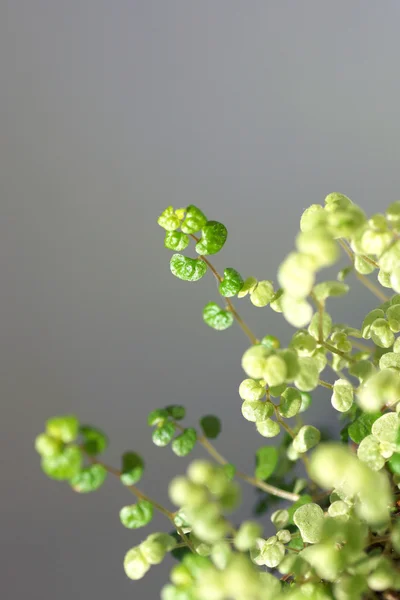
[337, 528]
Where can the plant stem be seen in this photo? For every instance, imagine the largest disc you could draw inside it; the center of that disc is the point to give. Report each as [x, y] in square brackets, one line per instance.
[142, 496]
[290, 431]
[325, 384]
[259, 483]
[334, 350]
[245, 328]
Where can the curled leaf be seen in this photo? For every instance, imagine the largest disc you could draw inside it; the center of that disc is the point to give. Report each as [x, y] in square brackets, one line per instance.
[217, 317]
[187, 269]
[213, 237]
[231, 283]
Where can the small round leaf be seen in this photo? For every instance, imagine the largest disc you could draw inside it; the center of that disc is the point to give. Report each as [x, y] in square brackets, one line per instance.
[231, 283]
[136, 515]
[89, 479]
[216, 317]
[211, 426]
[185, 442]
[132, 468]
[213, 237]
[187, 269]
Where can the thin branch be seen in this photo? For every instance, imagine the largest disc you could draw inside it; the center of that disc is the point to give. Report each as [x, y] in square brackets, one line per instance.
[230, 306]
[142, 496]
[259, 483]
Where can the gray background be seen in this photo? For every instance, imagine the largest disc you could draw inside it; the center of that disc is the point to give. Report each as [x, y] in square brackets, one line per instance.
[110, 111]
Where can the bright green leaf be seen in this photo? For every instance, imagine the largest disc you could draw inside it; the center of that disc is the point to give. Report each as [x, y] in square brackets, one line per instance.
[185, 442]
[194, 220]
[231, 284]
[213, 237]
[342, 396]
[262, 294]
[187, 269]
[176, 240]
[327, 289]
[168, 219]
[63, 466]
[290, 403]
[163, 434]
[216, 317]
[309, 519]
[136, 515]
[89, 479]
[307, 437]
[65, 428]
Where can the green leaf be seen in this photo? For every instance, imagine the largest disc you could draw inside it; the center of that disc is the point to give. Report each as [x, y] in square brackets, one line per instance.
[135, 564]
[296, 275]
[248, 286]
[275, 371]
[308, 377]
[64, 428]
[306, 401]
[271, 342]
[187, 269]
[230, 470]
[247, 535]
[342, 397]
[290, 403]
[394, 463]
[94, 440]
[157, 417]
[254, 360]
[211, 426]
[268, 428]
[63, 466]
[251, 390]
[361, 427]
[314, 327]
[314, 216]
[168, 219]
[217, 317]
[390, 360]
[47, 446]
[256, 410]
[89, 479]
[386, 428]
[262, 294]
[213, 237]
[176, 411]
[185, 442]
[176, 240]
[309, 519]
[319, 244]
[381, 333]
[304, 499]
[231, 283]
[324, 290]
[132, 468]
[297, 311]
[136, 515]
[369, 453]
[372, 316]
[307, 437]
[194, 220]
[266, 462]
[163, 434]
